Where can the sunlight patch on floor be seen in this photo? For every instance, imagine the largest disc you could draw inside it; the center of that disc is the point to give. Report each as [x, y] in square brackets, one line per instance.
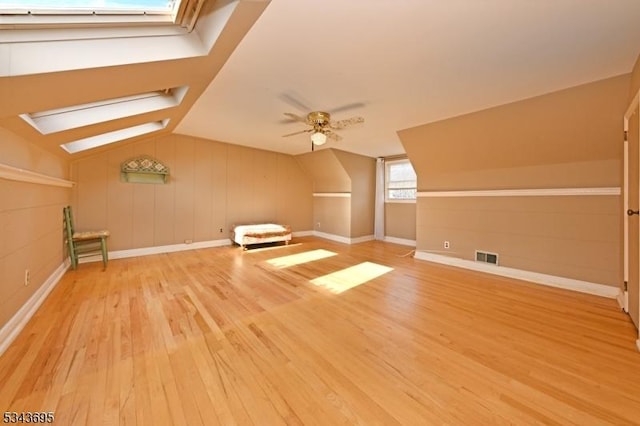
[345, 279]
[299, 258]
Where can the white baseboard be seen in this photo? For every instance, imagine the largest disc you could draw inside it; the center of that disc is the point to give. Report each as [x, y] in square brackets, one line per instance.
[302, 234]
[362, 239]
[332, 237]
[14, 326]
[146, 251]
[402, 241]
[341, 239]
[622, 298]
[534, 277]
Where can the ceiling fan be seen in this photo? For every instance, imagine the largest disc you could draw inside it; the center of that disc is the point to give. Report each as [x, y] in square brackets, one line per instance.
[321, 126]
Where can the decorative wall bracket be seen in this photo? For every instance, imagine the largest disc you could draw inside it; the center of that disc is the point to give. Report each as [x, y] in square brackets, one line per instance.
[144, 169]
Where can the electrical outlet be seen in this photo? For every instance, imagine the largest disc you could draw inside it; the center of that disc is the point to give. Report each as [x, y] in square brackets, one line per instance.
[221, 230]
[27, 277]
[446, 244]
[318, 225]
[188, 241]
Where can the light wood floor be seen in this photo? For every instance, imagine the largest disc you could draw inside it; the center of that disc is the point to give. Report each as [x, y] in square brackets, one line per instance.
[221, 336]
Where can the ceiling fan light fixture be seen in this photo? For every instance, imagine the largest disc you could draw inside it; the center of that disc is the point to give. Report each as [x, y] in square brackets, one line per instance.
[318, 138]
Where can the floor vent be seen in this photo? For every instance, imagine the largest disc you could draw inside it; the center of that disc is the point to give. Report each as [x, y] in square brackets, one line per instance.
[486, 257]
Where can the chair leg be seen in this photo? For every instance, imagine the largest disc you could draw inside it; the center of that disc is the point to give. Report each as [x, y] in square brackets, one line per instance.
[68, 228]
[73, 256]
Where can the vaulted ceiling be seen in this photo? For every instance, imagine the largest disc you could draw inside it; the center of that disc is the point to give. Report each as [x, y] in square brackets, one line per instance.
[398, 64]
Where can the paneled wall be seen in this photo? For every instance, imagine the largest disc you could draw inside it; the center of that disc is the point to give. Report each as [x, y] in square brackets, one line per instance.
[332, 215]
[568, 236]
[212, 185]
[30, 223]
[400, 220]
[566, 139]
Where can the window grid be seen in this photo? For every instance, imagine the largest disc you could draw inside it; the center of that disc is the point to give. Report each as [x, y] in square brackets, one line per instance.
[400, 181]
[87, 6]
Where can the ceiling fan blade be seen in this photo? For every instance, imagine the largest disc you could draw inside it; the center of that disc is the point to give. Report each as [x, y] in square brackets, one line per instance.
[297, 133]
[332, 135]
[293, 99]
[347, 107]
[296, 117]
[341, 124]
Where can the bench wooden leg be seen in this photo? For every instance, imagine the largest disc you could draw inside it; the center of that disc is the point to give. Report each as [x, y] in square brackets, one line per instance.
[105, 253]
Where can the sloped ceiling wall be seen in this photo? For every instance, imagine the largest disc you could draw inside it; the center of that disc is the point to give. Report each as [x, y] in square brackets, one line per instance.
[525, 144]
[326, 171]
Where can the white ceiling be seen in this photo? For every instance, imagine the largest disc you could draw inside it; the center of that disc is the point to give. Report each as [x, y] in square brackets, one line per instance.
[402, 63]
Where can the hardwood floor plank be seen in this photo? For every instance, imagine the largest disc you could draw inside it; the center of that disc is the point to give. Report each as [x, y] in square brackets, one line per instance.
[224, 336]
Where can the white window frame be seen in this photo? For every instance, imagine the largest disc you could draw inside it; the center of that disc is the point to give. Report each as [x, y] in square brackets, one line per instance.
[387, 166]
[182, 13]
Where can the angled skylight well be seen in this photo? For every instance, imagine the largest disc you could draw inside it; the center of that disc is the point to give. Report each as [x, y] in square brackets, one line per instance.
[100, 12]
[72, 117]
[114, 136]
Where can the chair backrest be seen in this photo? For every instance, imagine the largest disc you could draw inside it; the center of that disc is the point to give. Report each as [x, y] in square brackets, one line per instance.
[68, 222]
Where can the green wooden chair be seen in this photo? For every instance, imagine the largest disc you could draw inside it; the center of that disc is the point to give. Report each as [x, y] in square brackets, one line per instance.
[84, 244]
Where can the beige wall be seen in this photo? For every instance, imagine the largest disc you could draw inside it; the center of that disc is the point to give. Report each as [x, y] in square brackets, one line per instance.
[335, 171]
[332, 215]
[212, 186]
[30, 223]
[362, 172]
[574, 237]
[569, 138]
[400, 220]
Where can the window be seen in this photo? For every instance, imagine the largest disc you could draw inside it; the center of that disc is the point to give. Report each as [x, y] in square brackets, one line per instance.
[70, 13]
[400, 181]
[87, 6]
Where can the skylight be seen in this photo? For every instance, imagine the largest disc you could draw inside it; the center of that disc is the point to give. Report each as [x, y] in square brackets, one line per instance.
[88, 6]
[70, 13]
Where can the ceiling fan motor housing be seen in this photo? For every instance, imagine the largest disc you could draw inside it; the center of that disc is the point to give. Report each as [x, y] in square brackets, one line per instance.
[318, 118]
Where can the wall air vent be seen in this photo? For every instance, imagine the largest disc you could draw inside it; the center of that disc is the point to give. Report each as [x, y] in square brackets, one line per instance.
[486, 257]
